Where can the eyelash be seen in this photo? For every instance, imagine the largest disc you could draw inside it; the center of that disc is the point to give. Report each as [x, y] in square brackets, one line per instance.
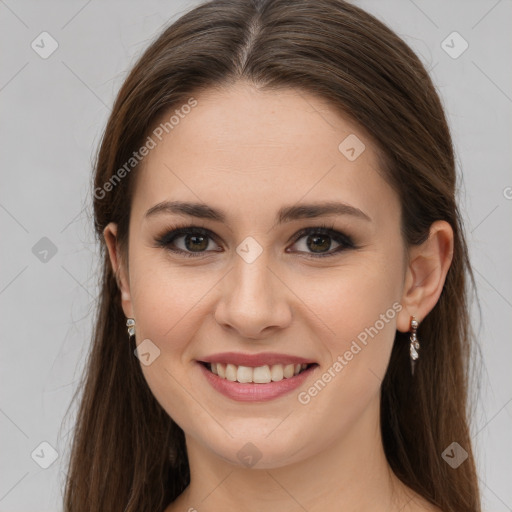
[165, 240]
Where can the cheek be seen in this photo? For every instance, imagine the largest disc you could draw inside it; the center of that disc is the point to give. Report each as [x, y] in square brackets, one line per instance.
[170, 305]
[358, 309]
[165, 297]
[168, 309]
[353, 299]
[345, 387]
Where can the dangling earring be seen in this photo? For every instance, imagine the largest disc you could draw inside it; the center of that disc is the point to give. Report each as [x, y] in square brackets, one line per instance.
[130, 323]
[414, 344]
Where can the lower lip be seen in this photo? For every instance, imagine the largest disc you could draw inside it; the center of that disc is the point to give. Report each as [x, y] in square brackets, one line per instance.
[251, 392]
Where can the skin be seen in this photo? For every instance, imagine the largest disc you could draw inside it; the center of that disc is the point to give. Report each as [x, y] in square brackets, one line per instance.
[248, 153]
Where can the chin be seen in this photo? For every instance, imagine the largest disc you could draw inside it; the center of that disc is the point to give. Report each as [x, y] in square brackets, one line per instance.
[257, 449]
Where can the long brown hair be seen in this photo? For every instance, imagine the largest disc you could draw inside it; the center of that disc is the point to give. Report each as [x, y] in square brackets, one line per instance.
[127, 453]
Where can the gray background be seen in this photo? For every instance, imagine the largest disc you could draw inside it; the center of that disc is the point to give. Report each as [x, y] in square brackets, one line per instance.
[52, 114]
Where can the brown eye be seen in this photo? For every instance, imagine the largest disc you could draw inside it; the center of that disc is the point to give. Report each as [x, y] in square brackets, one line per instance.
[190, 241]
[318, 241]
[195, 242]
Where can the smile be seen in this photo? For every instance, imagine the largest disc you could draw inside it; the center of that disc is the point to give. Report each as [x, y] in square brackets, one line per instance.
[256, 375]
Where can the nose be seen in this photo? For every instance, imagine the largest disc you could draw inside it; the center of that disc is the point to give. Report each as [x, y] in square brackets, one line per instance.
[254, 300]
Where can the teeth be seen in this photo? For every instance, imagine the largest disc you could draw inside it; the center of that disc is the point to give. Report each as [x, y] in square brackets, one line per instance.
[258, 375]
[231, 372]
[288, 371]
[276, 372]
[261, 374]
[244, 374]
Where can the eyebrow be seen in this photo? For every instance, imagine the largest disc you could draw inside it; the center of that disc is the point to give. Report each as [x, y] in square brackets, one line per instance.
[285, 214]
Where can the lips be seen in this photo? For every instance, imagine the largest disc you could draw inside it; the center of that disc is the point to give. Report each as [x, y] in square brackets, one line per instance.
[258, 377]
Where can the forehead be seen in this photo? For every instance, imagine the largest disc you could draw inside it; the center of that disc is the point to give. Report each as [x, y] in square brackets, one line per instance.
[248, 150]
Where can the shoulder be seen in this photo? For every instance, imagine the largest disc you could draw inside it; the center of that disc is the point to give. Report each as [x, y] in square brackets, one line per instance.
[420, 504]
[414, 502]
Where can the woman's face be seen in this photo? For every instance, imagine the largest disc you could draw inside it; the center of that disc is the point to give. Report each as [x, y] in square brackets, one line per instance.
[252, 285]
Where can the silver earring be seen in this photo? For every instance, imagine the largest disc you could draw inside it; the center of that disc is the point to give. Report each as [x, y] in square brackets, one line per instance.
[130, 323]
[414, 344]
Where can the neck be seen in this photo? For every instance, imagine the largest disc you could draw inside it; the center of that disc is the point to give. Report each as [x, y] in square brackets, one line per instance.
[351, 471]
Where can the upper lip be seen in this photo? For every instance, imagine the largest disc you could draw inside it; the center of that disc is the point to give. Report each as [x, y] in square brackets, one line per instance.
[264, 358]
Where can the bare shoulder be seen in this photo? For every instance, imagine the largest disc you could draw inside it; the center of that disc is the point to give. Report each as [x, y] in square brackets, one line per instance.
[414, 502]
[420, 504]
[429, 507]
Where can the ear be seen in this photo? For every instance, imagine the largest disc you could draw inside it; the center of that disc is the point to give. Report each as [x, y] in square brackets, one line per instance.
[425, 275]
[119, 267]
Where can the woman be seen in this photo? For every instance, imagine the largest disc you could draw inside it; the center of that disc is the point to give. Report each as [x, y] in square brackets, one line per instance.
[283, 320]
